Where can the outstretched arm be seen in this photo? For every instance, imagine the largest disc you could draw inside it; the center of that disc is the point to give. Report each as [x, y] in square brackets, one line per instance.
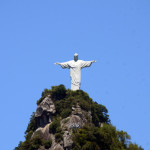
[87, 63]
[56, 63]
[93, 61]
[63, 65]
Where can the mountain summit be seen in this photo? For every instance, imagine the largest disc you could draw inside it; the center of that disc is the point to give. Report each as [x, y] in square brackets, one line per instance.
[71, 120]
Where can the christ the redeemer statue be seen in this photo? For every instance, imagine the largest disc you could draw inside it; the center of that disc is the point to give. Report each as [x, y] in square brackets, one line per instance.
[75, 67]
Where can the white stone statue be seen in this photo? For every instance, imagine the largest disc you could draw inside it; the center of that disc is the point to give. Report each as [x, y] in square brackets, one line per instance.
[75, 67]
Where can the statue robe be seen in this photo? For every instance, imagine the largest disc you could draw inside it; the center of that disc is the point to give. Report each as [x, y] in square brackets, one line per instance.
[75, 71]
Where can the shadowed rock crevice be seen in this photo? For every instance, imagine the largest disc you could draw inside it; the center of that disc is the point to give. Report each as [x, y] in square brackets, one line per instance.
[45, 111]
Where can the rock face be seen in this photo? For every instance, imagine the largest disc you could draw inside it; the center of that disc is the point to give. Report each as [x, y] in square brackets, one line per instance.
[44, 134]
[44, 112]
[44, 115]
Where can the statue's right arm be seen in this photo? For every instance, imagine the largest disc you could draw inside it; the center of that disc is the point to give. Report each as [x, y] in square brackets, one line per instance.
[63, 64]
[57, 63]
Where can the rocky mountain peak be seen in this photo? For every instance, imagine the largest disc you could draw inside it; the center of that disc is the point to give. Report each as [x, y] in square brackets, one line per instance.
[71, 120]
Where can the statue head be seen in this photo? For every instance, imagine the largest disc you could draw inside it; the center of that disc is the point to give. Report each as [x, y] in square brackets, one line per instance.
[75, 57]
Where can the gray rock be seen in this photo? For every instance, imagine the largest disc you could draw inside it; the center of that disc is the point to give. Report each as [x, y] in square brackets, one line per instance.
[46, 105]
[42, 148]
[57, 147]
[67, 138]
[44, 112]
[81, 113]
[43, 132]
[75, 122]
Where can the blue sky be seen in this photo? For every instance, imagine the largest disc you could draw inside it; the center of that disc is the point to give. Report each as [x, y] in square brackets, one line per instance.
[35, 34]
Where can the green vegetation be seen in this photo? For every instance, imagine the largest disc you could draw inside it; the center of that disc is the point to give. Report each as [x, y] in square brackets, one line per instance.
[64, 100]
[134, 147]
[90, 137]
[99, 114]
[56, 92]
[47, 143]
[65, 113]
[55, 128]
[34, 143]
[72, 98]
[104, 138]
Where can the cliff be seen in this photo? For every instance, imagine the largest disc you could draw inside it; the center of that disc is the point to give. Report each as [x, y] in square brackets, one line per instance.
[71, 120]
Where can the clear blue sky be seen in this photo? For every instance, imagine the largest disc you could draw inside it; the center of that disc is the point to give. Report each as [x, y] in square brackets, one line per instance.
[34, 34]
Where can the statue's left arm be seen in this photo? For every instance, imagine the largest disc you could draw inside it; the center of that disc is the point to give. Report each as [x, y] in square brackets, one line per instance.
[87, 63]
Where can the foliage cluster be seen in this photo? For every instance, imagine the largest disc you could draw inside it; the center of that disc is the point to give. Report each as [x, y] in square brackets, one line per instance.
[56, 92]
[55, 128]
[104, 138]
[34, 143]
[65, 99]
